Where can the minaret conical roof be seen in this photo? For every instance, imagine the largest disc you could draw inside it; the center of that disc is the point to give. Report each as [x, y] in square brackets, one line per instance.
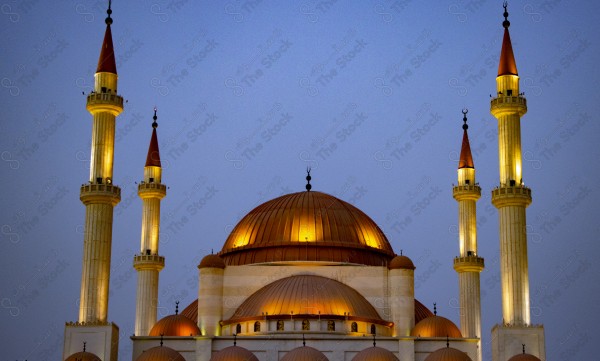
[153, 158]
[106, 62]
[466, 159]
[507, 65]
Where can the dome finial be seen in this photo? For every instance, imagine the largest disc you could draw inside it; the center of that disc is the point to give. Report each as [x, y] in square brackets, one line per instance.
[523, 348]
[108, 20]
[86, 342]
[303, 340]
[234, 339]
[176, 307]
[465, 111]
[374, 342]
[161, 339]
[505, 23]
[308, 178]
[447, 342]
[401, 252]
[435, 309]
[154, 123]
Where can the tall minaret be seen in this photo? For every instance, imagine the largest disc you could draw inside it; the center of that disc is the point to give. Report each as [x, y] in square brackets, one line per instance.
[511, 198]
[99, 196]
[148, 263]
[468, 264]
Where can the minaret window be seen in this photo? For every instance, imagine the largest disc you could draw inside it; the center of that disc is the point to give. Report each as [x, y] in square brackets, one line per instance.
[509, 92]
[467, 181]
[373, 330]
[238, 328]
[103, 89]
[512, 183]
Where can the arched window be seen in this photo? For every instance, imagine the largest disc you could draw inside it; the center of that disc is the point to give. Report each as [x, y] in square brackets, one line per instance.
[373, 329]
[256, 326]
[331, 325]
[305, 325]
[238, 328]
[354, 327]
[279, 325]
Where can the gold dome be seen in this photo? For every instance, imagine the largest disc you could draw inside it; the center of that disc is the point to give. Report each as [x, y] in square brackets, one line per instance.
[306, 296]
[375, 354]
[175, 325]
[160, 353]
[436, 326]
[307, 226]
[191, 311]
[524, 357]
[83, 356]
[234, 353]
[448, 354]
[304, 353]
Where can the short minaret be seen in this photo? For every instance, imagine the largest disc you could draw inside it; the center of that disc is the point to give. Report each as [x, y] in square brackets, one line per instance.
[468, 264]
[210, 295]
[402, 294]
[100, 196]
[511, 198]
[148, 263]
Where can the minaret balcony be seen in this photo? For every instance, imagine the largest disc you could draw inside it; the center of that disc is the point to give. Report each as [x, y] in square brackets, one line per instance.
[148, 262]
[466, 192]
[110, 102]
[517, 195]
[469, 264]
[100, 193]
[508, 105]
[152, 190]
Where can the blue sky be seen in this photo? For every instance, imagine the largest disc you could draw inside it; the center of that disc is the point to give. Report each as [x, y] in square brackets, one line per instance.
[249, 93]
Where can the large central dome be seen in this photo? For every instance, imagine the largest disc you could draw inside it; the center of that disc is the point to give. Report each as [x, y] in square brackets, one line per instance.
[307, 226]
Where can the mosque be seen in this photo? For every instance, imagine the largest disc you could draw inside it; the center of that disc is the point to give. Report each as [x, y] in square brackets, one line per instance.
[305, 276]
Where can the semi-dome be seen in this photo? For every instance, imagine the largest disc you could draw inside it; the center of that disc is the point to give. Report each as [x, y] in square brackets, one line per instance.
[175, 325]
[436, 326]
[83, 356]
[306, 226]
[306, 296]
[211, 261]
[160, 353]
[304, 353]
[448, 354]
[375, 353]
[524, 357]
[234, 353]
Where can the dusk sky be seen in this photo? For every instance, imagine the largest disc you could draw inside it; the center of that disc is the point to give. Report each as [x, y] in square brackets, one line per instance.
[249, 94]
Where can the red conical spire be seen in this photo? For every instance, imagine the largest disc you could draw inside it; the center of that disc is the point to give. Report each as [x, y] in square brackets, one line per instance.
[466, 159]
[153, 158]
[106, 62]
[507, 65]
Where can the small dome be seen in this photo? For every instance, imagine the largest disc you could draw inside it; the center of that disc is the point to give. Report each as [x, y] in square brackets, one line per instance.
[448, 354]
[234, 353]
[83, 356]
[375, 354]
[401, 262]
[436, 326]
[160, 353]
[523, 357]
[304, 353]
[212, 261]
[175, 325]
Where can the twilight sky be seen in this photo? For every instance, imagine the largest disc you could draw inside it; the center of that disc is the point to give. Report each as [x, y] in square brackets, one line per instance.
[249, 93]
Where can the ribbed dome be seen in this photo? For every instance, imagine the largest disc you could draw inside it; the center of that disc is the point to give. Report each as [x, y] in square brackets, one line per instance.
[436, 326]
[306, 296]
[211, 261]
[175, 325]
[401, 262]
[523, 357]
[448, 354]
[83, 356]
[160, 353]
[421, 312]
[375, 354]
[307, 226]
[304, 353]
[234, 353]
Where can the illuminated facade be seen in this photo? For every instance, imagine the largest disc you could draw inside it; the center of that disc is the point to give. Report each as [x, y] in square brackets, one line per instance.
[305, 276]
